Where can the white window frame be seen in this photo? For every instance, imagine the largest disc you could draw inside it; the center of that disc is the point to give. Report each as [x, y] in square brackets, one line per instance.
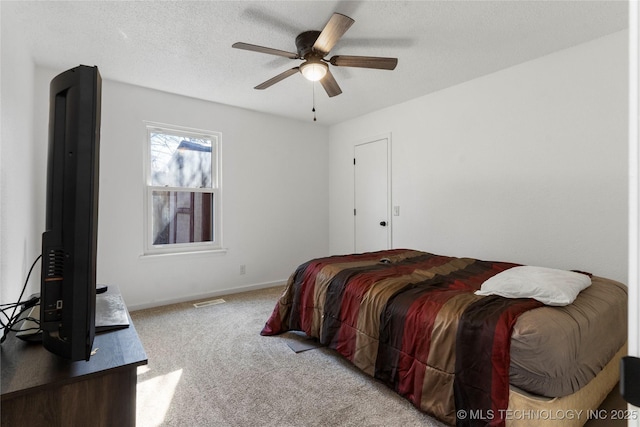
[216, 190]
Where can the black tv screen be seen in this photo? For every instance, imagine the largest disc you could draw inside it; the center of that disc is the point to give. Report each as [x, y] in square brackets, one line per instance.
[69, 243]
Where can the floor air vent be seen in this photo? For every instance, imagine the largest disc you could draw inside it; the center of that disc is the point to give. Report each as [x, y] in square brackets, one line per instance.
[202, 304]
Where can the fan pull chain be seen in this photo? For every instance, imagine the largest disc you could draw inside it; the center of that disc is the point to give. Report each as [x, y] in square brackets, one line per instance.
[313, 110]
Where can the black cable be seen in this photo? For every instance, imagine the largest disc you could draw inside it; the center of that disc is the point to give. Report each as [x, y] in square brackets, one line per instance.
[4, 310]
[17, 320]
[24, 319]
[8, 319]
[12, 320]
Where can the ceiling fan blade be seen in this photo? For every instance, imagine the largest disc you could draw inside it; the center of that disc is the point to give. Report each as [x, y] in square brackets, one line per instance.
[277, 78]
[262, 49]
[330, 85]
[364, 62]
[332, 32]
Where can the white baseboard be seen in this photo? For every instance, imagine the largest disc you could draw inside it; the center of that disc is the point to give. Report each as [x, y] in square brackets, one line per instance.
[217, 293]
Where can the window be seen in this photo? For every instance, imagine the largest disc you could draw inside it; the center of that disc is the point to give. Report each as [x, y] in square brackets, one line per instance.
[182, 190]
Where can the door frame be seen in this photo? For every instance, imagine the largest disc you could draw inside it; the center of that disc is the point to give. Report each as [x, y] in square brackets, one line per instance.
[369, 140]
[634, 186]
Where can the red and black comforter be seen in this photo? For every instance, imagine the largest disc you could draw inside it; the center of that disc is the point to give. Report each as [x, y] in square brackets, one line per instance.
[411, 319]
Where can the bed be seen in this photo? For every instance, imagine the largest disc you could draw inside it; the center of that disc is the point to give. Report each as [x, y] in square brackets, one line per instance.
[419, 323]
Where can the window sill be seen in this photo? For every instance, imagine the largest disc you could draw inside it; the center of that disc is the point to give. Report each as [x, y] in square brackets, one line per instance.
[160, 255]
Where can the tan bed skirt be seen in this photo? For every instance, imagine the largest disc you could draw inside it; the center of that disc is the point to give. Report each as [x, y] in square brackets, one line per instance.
[574, 410]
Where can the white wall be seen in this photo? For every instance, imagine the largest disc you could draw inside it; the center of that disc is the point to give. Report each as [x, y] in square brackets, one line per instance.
[275, 195]
[19, 214]
[525, 165]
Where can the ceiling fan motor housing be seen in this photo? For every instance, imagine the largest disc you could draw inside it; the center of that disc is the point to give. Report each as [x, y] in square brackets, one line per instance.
[304, 44]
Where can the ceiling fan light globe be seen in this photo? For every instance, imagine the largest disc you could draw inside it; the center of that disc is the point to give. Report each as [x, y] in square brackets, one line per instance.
[314, 71]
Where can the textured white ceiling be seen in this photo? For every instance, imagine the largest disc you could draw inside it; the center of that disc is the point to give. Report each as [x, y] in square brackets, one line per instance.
[185, 47]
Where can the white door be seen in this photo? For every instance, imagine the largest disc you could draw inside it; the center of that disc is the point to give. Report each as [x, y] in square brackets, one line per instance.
[371, 183]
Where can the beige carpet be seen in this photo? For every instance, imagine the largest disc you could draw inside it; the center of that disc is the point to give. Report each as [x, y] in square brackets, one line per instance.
[210, 367]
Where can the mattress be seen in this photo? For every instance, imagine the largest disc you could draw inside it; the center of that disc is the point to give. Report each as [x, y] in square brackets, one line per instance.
[573, 410]
[555, 351]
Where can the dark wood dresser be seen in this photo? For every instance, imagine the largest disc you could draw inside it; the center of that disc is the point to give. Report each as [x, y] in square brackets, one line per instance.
[42, 389]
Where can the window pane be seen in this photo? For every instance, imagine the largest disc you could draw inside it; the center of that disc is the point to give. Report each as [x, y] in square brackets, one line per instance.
[178, 161]
[181, 217]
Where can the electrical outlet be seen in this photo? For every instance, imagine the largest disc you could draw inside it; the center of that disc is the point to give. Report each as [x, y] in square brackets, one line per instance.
[243, 269]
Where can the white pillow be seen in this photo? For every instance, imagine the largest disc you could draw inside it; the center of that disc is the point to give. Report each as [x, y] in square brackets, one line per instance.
[547, 285]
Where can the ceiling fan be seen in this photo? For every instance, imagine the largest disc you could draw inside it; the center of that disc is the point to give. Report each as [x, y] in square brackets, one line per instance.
[312, 47]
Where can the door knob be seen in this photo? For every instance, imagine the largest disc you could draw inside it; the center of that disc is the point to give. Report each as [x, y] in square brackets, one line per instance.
[383, 223]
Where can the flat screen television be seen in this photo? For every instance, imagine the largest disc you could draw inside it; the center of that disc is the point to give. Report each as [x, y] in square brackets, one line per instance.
[69, 242]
